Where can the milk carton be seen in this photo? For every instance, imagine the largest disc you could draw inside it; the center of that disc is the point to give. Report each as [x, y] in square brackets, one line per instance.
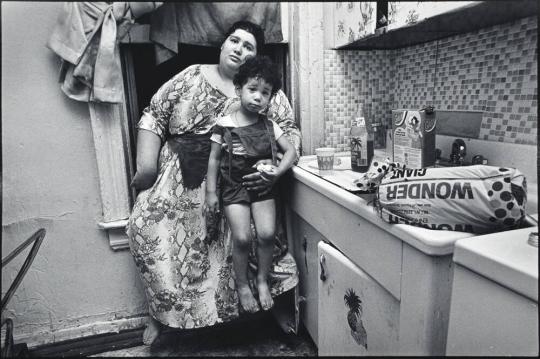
[413, 133]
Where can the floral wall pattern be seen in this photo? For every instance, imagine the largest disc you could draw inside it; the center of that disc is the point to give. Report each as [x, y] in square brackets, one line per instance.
[403, 13]
[353, 20]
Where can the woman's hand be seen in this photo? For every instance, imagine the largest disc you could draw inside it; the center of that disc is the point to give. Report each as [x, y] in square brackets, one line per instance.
[255, 182]
[211, 205]
[268, 174]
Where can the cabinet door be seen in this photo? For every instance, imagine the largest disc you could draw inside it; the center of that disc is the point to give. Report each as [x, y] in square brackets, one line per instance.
[356, 315]
[304, 248]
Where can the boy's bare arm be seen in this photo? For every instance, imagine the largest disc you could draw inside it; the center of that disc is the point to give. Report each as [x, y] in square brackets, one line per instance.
[289, 155]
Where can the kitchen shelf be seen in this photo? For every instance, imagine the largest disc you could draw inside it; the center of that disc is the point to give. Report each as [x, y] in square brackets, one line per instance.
[466, 19]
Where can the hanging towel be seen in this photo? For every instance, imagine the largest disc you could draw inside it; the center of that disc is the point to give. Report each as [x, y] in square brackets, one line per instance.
[205, 23]
[86, 38]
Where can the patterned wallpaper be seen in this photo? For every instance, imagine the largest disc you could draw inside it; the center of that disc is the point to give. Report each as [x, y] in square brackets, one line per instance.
[493, 70]
[353, 20]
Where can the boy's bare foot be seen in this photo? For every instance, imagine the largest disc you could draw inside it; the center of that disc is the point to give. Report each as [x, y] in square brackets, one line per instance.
[247, 301]
[153, 328]
[264, 295]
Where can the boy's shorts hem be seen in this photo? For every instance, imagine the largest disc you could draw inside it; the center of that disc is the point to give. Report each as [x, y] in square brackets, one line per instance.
[234, 195]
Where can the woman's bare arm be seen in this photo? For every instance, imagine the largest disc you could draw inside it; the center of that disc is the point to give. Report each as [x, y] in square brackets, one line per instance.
[148, 146]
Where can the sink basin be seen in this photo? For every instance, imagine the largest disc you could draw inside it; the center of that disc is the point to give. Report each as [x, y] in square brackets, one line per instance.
[503, 257]
[494, 274]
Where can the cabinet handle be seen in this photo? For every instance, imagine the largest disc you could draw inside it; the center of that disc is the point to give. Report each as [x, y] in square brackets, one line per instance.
[322, 263]
[304, 246]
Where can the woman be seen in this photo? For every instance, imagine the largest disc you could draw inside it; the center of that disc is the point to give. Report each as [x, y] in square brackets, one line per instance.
[185, 258]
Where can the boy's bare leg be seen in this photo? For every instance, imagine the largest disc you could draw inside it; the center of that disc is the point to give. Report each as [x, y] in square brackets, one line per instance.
[264, 216]
[153, 328]
[239, 218]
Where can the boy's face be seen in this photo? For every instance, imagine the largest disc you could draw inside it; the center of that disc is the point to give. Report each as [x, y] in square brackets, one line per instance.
[255, 94]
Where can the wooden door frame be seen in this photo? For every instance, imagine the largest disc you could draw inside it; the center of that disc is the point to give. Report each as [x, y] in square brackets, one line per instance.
[306, 59]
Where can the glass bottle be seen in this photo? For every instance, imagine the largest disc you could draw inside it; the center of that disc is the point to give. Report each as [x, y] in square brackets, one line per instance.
[361, 137]
[382, 16]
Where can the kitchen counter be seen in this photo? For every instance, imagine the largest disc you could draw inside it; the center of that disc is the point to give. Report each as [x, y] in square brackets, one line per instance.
[338, 187]
[432, 242]
[339, 243]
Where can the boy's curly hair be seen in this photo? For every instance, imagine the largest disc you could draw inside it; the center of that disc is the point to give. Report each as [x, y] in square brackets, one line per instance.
[258, 67]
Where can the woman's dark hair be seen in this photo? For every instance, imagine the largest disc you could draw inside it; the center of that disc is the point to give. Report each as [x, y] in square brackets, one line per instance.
[258, 67]
[250, 27]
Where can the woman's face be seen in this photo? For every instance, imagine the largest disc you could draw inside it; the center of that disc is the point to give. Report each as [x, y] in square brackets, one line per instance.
[237, 47]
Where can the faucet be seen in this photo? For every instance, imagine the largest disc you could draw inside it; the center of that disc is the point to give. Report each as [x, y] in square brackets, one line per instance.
[479, 160]
[459, 150]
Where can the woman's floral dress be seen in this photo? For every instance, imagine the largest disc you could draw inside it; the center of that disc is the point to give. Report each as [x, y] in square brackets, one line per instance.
[187, 273]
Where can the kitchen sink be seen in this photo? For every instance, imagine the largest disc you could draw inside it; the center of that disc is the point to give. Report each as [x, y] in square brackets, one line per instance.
[493, 273]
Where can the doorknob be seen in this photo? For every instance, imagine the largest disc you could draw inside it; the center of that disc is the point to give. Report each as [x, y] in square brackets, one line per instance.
[322, 263]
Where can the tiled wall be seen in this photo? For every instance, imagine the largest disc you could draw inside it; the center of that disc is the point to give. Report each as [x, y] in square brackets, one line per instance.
[493, 70]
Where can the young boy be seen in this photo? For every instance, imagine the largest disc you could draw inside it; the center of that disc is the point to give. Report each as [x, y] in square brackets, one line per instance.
[239, 141]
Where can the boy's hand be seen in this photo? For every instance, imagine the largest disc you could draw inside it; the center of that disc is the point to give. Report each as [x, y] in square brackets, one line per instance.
[211, 204]
[268, 161]
[269, 173]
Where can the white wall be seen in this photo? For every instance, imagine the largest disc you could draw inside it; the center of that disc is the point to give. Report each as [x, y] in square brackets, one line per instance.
[77, 285]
